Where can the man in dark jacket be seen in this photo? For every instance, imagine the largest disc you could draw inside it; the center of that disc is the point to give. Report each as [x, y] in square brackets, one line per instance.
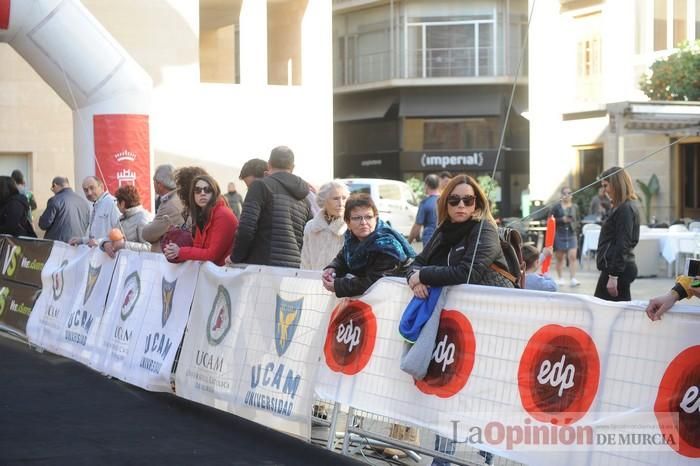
[67, 214]
[271, 228]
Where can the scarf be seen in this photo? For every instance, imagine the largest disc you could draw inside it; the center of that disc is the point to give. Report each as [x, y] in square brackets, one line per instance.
[450, 234]
[382, 240]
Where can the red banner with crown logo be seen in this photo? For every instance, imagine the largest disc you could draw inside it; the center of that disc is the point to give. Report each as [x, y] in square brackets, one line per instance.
[122, 153]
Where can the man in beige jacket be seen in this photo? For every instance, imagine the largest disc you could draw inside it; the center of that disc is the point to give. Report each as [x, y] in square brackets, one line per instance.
[169, 211]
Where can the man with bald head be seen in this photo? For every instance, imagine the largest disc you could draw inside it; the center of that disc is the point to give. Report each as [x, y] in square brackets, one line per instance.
[104, 214]
[67, 214]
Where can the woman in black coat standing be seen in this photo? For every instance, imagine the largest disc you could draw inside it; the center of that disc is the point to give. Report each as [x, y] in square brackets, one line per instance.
[14, 210]
[618, 237]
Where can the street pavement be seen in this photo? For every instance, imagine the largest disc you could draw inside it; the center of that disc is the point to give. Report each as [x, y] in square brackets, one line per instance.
[54, 412]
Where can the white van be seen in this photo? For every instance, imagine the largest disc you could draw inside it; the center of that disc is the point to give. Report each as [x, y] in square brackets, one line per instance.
[395, 201]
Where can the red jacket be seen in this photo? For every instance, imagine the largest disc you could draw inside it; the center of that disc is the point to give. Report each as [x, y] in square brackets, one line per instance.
[215, 243]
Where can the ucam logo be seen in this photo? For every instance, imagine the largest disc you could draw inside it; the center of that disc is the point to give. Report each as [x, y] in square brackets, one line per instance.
[350, 337]
[57, 281]
[167, 293]
[132, 292]
[92, 276]
[677, 405]
[219, 321]
[558, 374]
[287, 315]
[11, 260]
[453, 356]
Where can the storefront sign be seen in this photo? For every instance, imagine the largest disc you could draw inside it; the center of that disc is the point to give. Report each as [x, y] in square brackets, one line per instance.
[481, 160]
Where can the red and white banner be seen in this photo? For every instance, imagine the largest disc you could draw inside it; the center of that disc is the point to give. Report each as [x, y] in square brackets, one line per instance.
[4, 14]
[142, 327]
[122, 153]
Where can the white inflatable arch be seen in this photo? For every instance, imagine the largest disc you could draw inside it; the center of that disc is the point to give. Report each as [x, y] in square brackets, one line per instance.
[107, 90]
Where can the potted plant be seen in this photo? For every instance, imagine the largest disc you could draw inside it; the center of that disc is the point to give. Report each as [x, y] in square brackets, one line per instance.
[650, 190]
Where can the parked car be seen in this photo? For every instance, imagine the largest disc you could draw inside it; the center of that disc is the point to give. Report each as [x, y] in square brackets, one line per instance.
[395, 200]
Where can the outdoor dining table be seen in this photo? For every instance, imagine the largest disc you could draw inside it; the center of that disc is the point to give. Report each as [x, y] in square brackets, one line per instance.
[670, 243]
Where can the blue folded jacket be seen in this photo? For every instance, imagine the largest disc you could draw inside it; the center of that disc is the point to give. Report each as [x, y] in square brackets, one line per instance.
[417, 314]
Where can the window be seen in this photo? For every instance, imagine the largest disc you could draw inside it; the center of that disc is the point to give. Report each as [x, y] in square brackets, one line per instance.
[284, 20]
[219, 48]
[590, 165]
[660, 24]
[588, 57]
[390, 192]
[690, 179]
[472, 133]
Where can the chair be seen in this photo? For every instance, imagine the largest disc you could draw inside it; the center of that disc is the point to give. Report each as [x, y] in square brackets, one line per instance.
[590, 253]
[676, 228]
[694, 227]
[687, 247]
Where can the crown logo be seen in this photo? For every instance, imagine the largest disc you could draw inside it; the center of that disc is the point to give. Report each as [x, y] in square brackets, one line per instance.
[125, 155]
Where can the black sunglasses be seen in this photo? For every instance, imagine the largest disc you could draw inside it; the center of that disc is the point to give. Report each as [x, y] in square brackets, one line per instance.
[203, 189]
[454, 200]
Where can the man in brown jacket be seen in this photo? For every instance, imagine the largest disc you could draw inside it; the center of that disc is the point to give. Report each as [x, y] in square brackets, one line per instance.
[169, 211]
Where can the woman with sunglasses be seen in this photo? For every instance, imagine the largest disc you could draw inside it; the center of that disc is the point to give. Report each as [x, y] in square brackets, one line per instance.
[371, 250]
[618, 237]
[453, 255]
[213, 222]
[565, 212]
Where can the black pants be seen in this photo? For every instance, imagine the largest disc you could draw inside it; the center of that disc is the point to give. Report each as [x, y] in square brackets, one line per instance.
[623, 284]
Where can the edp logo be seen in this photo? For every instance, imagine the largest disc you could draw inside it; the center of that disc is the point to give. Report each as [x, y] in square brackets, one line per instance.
[558, 374]
[349, 335]
[444, 353]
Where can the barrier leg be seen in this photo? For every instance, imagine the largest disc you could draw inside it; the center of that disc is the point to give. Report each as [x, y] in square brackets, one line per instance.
[331, 430]
[348, 426]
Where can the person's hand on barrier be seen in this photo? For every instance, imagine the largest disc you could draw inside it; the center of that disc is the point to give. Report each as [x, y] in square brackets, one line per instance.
[612, 286]
[660, 304]
[74, 241]
[228, 262]
[108, 248]
[328, 279]
[548, 251]
[92, 242]
[414, 280]
[117, 245]
[172, 251]
[420, 291]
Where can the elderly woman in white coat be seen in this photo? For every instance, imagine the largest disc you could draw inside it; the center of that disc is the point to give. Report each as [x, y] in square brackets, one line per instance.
[323, 235]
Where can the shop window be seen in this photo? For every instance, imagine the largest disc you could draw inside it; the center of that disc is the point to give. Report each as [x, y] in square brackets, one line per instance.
[219, 44]
[470, 133]
[284, 20]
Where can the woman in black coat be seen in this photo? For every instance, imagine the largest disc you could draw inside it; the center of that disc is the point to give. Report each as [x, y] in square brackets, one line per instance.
[618, 237]
[14, 210]
[465, 248]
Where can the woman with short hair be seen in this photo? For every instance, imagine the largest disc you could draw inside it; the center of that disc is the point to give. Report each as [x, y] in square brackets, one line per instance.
[371, 250]
[324, 234]
[618, 237]
[213, 222]
[134, 217]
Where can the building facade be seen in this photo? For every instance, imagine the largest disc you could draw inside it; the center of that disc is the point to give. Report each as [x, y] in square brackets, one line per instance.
[231, 80]
[424, 86]
[587, 112]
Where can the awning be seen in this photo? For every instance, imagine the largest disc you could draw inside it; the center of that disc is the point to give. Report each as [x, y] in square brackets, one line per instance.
[658, 117]
[451, 104]
[362, 107]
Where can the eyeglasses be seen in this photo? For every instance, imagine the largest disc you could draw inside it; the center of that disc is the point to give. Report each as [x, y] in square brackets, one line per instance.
[454, 200]
[567, 193]
[360, 218]
[203, 189]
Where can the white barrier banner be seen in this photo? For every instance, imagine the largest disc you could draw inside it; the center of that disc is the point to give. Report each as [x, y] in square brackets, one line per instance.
[252, 344]
[603, 382]
[145, 318]
[75, 283]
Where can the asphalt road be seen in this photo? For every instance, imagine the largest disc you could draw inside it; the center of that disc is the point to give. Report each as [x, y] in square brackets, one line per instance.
[54, 411]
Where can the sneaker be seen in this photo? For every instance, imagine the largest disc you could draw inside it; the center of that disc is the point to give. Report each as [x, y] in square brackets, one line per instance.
[575, 282]
[561, 282]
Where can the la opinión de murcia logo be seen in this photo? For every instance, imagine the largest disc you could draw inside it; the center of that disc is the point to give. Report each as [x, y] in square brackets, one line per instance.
[558, 374]
[453, 356]
[125, 156]
[677, 405]
[350, 338]
[219, 321]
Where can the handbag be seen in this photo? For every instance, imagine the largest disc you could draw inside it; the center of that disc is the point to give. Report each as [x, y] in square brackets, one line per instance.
[416, 356]
[180, 235]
